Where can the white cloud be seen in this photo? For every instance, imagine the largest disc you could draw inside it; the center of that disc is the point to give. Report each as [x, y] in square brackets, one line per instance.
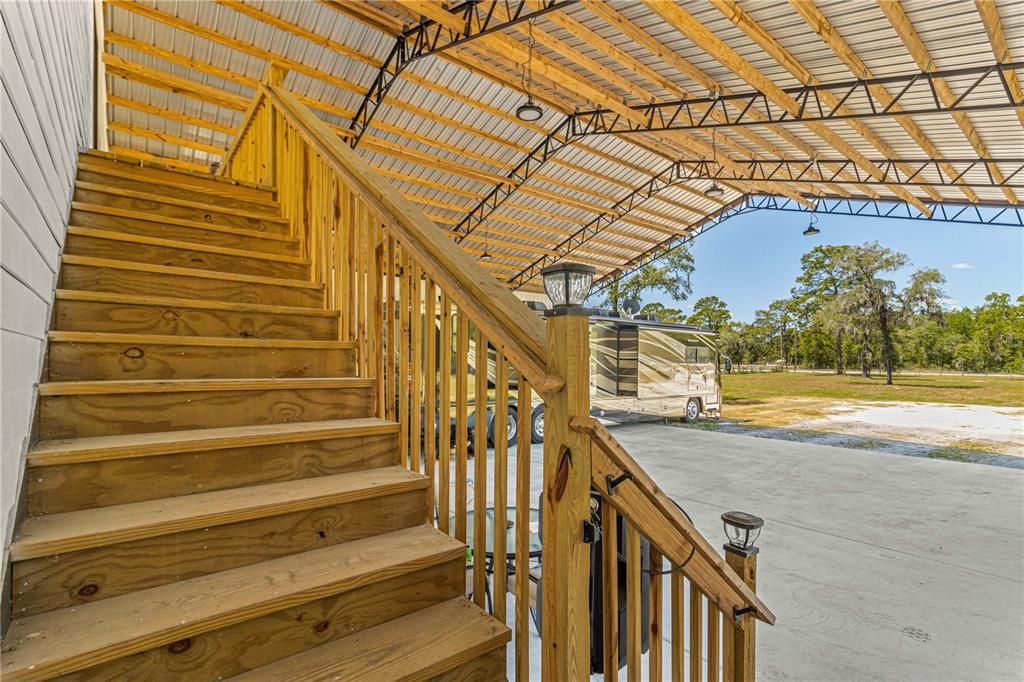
[962, 266]
[949, 303]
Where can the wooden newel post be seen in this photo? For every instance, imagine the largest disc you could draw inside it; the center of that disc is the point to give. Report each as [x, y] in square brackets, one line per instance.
[565, 611]
[740, 638]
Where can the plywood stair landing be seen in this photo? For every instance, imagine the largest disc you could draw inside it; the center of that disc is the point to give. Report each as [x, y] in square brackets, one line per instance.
[212, 493]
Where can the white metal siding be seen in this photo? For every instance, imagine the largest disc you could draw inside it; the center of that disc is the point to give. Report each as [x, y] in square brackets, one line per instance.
[46, 115]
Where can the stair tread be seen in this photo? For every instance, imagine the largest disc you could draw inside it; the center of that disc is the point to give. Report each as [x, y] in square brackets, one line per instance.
[142, 299]
[175, 385]
[71, 259]
[270, 216]
[49, 452]
[94, 158]
[131, 237]
[73, 531]
[181, 222]
[173, 340]
[66, 640]
[417, 646]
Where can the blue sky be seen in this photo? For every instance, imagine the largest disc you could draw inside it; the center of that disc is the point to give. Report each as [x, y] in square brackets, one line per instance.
[753, 259]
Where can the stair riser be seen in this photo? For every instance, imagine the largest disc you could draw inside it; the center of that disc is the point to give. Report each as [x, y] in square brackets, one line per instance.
[491, 667]
[233, 650]
[74, 361]
[169, 210]
[72, 578]
[89, 278]
[126, 318]
[110, 414]
[79, 245]
[70, 487]
[220, 199]
[155, 177]
[198, 235]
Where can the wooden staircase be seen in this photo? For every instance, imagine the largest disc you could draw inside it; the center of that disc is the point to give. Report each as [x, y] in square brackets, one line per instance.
[212, 493]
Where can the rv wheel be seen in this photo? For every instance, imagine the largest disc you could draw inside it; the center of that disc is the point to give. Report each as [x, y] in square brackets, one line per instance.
[692, 410]
[537, 424]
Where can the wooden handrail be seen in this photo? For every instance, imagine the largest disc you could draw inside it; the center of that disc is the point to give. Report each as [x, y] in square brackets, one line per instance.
[389, 271]
[661, 521]
[508, 323]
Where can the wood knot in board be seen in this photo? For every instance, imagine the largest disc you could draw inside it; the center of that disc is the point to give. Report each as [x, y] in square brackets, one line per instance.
[181, 646]
[134, 352]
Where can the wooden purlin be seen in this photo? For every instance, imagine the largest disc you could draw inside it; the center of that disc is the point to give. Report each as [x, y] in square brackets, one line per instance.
[901, 23]
[686, 24]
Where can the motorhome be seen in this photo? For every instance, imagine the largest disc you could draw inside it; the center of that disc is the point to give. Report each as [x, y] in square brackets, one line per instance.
[640, 368]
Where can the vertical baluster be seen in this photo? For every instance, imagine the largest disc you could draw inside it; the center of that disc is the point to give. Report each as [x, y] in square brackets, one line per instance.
[390, 314]
[461, 420]
[634, 611]
[654, 612]
[522, 534]
[351, 249]
[416, 357]
[444, 449]
[678, 627]
[377, 335]
[342, 243]
[403, 358]
[430, 389]
[610, 590]
[480, 469]
[712, 642]
[360, 288]
[500, 482]
[696, 632]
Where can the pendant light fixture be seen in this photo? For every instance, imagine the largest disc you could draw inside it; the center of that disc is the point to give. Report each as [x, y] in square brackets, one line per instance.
[485, 256]
[811, 229]
[529, 111]
[715, 190]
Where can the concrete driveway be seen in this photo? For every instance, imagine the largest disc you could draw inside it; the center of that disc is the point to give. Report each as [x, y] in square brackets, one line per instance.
[878, 567]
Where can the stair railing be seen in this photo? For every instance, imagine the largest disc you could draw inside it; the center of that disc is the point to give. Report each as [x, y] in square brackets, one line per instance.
[457, 356]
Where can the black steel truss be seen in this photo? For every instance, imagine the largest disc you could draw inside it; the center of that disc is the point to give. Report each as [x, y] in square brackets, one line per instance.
[552, 143]
[477, 18]
[982, 88]
[1004, 215]
[696, 113]
[896, 172]
[971, 214]
[597, 225]
[740, 206]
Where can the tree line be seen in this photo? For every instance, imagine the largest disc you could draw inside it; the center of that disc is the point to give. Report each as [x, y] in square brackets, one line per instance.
[845, 312]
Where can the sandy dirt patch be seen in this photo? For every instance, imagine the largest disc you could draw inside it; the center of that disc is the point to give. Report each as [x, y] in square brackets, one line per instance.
[970, 427]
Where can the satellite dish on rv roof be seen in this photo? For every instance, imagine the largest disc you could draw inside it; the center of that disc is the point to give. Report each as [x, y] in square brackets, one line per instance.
[631, 306]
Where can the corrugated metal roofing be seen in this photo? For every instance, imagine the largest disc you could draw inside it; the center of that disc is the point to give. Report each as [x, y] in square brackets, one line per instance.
[446, 132]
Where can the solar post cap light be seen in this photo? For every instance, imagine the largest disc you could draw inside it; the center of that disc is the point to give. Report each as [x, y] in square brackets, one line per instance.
[742, 530]
[567, 286]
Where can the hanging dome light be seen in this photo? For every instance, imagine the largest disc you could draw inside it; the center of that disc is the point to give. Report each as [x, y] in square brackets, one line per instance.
[529, 111]
[811, 229]
[714, 191]
[486, 256]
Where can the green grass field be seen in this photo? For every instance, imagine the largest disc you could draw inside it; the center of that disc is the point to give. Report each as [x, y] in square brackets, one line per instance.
[754, 389]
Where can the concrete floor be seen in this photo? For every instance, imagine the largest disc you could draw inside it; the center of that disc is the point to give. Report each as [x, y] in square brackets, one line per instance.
[877, 566]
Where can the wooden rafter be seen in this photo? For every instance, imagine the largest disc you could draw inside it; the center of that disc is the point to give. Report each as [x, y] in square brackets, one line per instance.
[255, 51]
[817, 20]
[905, 30]
[688, 25]
[994, 27]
